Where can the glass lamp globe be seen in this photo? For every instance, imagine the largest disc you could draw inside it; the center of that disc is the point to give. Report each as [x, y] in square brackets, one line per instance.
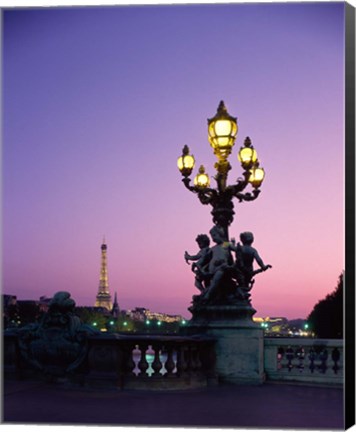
[247, 155]
[222, 130]
[186, 162]
[257, 175]
[202, 180]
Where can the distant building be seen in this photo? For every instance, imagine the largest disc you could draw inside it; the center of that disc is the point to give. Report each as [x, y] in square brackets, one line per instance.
[44, 303]
[282, 327]
[8, 300]
[143, 314]
[103, 298]
[9, 303]
[271, 320]
[137, 314]
[159, 316]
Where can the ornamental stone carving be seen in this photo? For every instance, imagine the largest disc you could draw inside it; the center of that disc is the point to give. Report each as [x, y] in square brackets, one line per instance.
[57, 345]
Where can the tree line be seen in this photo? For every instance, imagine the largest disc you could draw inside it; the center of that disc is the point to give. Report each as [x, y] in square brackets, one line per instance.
[327, 317]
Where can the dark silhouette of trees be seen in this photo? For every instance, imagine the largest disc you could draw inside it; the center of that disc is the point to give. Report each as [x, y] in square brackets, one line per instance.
[326, 318]
[92, 317]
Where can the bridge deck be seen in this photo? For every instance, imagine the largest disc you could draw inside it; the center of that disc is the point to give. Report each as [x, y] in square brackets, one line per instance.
[266, 406]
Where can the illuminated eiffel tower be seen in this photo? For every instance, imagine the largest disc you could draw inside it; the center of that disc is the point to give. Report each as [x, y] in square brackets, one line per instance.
[103, 299]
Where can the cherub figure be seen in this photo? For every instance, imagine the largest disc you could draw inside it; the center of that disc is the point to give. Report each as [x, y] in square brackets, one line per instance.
[245, 257]
[220, 252]
[219, 263]
[202, 258]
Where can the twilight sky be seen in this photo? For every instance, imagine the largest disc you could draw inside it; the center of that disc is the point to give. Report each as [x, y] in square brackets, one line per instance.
[97, 105]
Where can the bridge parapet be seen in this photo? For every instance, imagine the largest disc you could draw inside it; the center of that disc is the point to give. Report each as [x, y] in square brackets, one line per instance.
[146, 362]
[317, 361]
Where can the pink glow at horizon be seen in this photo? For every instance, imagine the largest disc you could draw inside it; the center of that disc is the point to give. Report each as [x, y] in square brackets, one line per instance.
[98, 103]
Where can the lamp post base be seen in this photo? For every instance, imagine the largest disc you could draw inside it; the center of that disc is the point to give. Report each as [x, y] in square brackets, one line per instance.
[239, 341]
[238, 312]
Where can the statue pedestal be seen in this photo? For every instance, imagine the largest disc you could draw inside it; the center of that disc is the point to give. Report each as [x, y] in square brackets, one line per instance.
[239, 341]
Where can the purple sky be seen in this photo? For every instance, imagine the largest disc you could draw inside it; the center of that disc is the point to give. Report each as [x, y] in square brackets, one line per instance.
[98, 103]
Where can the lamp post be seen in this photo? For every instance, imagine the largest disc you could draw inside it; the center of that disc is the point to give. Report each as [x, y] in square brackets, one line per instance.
[222, 131]
[223, 307]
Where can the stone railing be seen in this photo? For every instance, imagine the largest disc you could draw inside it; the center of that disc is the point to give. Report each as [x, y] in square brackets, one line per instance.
[166, 362]
[304, 360]
[150, 362]
[129, 362]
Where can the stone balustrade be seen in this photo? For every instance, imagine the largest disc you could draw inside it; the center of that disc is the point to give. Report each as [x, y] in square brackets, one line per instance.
[131, 362]
[167, 362]
[317, 361]
[150, 362]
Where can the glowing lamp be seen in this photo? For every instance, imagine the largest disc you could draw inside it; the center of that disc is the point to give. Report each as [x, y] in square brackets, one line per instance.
[186, 162]
[257, 175]
[247, 154]
[222, 131]
[202, 180]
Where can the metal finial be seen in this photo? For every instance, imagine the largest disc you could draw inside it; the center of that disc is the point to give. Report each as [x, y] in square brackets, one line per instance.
[247, 142]
[222, 107]
[185, 150]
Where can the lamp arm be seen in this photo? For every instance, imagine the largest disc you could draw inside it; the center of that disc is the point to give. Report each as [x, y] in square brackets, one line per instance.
[238, 187]
[186, 181]
[206, 195]
[248, 196]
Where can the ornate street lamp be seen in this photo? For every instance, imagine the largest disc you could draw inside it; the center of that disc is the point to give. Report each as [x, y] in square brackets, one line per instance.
[247, 154]
[257, 175]
[222, 131]
[186, 162]
[202, 179]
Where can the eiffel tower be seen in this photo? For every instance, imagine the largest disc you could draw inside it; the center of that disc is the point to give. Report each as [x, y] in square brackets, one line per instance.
[103, 298]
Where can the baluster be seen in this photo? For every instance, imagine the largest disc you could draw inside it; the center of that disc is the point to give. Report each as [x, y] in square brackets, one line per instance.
[143, 363]
[323, 357]
[169, 362]
[300, 355]
[191, 360]
[312, 356]
[280, 355]
[129, 364]
[182, 364]
[188, 358]
[156, 364]
[335, 355]
[290, 357]
[198, 363]
[208, 361]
